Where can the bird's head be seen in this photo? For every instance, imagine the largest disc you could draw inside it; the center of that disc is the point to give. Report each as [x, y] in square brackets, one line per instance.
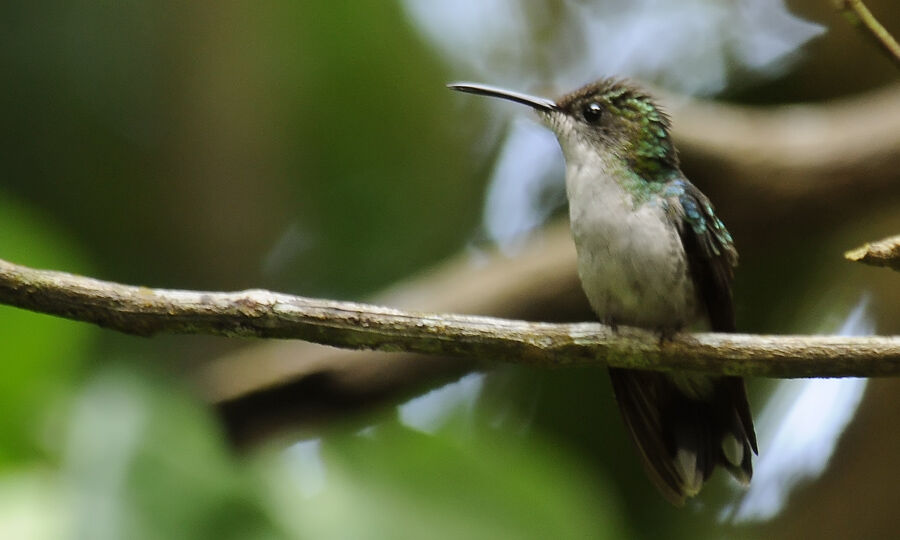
[610, 118]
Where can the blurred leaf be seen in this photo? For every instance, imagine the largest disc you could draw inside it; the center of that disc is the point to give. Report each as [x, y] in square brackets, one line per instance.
[145, 462]
[31, 505]
[397, 483]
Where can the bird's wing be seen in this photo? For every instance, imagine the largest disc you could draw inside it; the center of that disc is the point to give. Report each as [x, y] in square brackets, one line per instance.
[710, 252]
[711, 258]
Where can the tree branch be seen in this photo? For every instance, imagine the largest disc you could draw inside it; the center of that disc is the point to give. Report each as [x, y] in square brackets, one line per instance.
[857, 13]
[258, 313]
[884, 252]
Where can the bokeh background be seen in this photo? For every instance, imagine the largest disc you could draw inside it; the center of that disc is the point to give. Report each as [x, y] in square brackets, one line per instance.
[311, 148]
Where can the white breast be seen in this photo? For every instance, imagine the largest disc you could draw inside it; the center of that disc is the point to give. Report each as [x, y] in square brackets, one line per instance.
[631, 261]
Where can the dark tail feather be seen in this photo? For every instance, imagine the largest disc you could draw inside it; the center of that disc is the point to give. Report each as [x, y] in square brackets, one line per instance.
[684, 429]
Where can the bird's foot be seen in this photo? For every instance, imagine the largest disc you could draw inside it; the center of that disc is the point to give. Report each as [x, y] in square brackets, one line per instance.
[667, 334]
[612, 323]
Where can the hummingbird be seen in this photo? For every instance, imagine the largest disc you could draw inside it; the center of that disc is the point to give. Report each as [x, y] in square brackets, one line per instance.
[653, 254]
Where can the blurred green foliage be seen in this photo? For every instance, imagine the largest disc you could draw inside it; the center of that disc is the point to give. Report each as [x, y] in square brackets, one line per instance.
[138, 458]
[393, 482]
[42, 355]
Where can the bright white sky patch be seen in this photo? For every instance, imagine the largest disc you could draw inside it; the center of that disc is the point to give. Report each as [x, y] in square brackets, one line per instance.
[307, 467]
[684, 44]
[526, 175]
[429, 412]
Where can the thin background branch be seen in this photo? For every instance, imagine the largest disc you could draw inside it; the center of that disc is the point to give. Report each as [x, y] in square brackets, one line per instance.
[857, 13]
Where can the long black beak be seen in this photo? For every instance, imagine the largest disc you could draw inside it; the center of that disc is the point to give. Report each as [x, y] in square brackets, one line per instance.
[538, 103]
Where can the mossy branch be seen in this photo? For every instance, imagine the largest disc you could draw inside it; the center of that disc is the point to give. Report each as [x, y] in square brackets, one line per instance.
[257, 313]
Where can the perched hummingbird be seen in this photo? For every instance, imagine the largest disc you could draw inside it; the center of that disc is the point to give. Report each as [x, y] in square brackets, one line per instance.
[653, 254]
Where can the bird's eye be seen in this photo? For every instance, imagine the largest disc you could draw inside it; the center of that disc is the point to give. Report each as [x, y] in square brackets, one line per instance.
[593, 112]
